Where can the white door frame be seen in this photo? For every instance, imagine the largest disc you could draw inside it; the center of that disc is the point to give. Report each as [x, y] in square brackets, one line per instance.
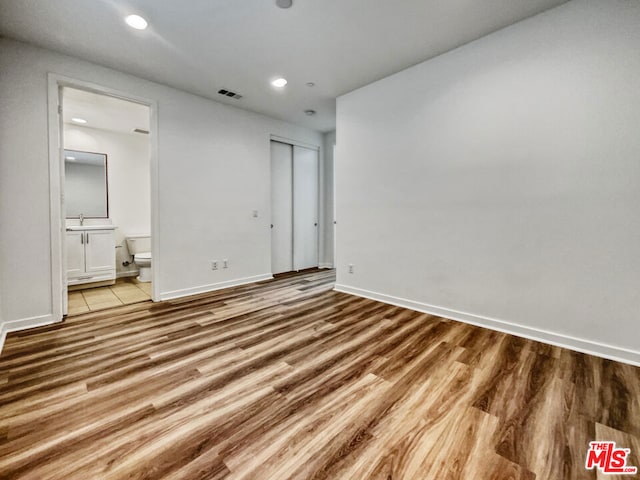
[56, 188]
[294, 143]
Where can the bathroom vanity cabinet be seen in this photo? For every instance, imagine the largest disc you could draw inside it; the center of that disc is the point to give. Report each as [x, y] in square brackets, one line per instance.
[91, 255]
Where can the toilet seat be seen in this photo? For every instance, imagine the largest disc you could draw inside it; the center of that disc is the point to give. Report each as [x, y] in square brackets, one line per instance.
[140, 247]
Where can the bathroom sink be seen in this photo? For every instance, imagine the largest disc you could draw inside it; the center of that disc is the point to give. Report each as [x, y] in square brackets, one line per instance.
[72, 228]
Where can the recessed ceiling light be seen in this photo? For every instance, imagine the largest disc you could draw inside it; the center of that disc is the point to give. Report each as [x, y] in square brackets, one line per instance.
[310, 112]
[78, 120]
[70, 158]
[136, 21]
[279, 82]
[284, 3]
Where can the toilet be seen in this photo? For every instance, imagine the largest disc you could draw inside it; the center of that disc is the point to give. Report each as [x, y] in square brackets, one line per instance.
[140, 247]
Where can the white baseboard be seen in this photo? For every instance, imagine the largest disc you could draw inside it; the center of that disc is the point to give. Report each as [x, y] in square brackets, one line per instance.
[610, 352]
[325, 265]
[23, 324]
[214, 286]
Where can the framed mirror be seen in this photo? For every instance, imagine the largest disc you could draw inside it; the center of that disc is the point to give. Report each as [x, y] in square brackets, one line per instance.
[86, 187]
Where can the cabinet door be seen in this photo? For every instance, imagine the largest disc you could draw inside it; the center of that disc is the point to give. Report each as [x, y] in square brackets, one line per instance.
[75, 254]
[100, 251]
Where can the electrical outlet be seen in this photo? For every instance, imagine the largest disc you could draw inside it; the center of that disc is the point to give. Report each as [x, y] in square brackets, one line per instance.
[225, 263]
[214, 265]
[255, 213]
[351, 268]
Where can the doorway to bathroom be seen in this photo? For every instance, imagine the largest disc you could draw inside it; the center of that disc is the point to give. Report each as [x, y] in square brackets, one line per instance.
[106, 200]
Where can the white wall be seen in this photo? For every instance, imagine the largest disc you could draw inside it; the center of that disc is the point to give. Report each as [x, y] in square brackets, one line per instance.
[128, 167]
[500, 182]
[213, 171]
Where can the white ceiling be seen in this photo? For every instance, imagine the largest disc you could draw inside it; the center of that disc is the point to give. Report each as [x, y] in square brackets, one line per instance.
[103, 112]
[202, 46]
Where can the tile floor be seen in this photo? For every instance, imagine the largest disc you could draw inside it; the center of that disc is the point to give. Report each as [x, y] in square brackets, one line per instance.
[125, 291]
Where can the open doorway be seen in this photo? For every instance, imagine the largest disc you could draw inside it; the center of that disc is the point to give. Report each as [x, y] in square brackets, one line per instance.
[106, 207]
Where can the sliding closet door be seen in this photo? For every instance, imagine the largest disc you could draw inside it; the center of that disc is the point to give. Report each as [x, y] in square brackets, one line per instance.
[305, 208]
[281, 208]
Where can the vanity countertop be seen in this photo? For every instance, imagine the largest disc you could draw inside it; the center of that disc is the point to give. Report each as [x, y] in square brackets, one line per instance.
[72, 228]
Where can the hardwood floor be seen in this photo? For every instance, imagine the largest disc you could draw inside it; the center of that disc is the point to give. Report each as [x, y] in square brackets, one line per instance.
[289, 379]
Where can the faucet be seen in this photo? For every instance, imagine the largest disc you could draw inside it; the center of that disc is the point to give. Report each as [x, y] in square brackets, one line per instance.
[81, 216]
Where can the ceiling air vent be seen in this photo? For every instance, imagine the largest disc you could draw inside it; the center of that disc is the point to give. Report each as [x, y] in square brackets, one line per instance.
[139, 130]
[228, 93]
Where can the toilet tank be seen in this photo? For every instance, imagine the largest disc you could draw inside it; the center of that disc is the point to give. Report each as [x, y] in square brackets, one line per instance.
[139, 244]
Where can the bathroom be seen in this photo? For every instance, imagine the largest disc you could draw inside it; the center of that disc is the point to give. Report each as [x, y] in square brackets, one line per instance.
[107, 201]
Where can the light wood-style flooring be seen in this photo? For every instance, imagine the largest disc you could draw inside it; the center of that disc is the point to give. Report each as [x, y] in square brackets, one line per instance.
[289, 379]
